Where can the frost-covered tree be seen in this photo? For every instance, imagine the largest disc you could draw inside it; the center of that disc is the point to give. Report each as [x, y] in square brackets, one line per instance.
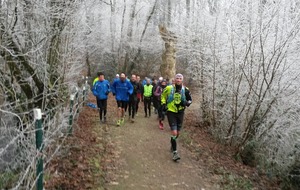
[239, 56]
[249, 78]
[38, 66]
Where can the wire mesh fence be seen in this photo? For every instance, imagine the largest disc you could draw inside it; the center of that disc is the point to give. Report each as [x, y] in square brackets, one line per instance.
[30, 140]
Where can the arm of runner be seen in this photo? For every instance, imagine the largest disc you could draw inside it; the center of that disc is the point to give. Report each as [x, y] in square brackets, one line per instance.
[157, 91]
[130, 88]
[188, 97]
[164, 96]
[113, 88]
[108, 88]
[94, 90]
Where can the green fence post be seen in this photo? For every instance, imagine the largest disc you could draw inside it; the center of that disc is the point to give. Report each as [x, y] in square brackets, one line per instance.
[77, 101]
[39, 147]
[71, 113]
[85, 89]
[83, 94]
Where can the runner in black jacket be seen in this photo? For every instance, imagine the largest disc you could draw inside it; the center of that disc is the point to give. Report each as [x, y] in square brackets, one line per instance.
[133, 98]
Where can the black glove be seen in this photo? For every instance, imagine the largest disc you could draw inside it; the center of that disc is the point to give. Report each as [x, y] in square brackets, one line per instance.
[188, 103]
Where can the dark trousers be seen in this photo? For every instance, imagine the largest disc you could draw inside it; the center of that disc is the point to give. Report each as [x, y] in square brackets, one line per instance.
[147, 105]
[132, 108]
[161, 113]
[137, 105]
[155, 103]
[102, 105]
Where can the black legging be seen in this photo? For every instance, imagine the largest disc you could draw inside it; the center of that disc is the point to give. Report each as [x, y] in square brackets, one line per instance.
[132, 108]
[137, 105]
[155, 103]
[161, 114]
[102, 105]
[147, 105]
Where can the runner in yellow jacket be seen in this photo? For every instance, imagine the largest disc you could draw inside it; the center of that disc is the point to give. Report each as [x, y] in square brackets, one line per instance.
[147, 97]
[174, 99]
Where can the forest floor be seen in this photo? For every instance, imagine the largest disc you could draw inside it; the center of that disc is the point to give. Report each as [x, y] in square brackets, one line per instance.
[137, 156]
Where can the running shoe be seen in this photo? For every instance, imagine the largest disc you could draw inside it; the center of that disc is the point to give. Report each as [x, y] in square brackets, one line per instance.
[122, 121]
[175, 156]
[161, 125]
[119, 122]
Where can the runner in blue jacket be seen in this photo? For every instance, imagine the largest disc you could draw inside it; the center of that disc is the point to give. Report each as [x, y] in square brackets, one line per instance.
[122, 89]
[101, 89]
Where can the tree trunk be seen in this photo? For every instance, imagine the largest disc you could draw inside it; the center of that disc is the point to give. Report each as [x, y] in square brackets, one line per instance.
[212, 4]
[129, 37]
[113, 23]
[88, 64]
[135, 60]
[188, 8]
[168, 66]
[169, 12]
[121, 45]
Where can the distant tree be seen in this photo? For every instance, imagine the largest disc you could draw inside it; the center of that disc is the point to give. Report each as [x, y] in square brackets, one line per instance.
[168, 66]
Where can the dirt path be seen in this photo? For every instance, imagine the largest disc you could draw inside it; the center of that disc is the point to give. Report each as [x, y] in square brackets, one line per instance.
[137, 156]
[145, 157]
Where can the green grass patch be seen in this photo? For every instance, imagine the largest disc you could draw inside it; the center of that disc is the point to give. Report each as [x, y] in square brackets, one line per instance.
[185, 136]
[95, 163]
[230, 181]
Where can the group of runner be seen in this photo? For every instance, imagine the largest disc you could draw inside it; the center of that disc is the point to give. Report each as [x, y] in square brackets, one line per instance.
[168, 98]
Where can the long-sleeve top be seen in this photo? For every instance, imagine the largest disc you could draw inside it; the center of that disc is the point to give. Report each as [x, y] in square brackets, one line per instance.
[136, 89]
[122, 90]
[176, 98]
[101, 89]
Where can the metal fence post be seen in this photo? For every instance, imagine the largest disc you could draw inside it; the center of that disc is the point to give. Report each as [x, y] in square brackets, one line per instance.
[77, 101]
[39, 147]
[85, 89]
[83, 94]
[71, 113]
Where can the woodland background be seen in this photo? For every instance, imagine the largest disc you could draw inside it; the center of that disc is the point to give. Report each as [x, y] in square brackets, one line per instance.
[241, 55]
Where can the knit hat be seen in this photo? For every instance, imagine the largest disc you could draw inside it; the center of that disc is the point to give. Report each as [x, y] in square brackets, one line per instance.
[178, 75]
